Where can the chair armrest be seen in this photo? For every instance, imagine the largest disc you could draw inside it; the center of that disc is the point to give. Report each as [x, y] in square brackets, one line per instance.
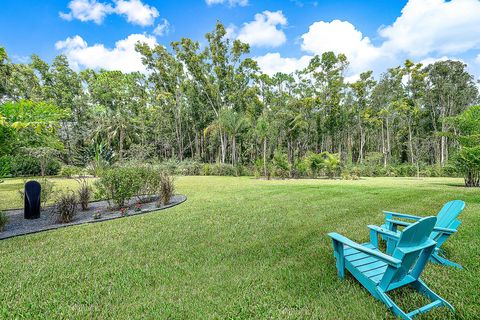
[445, 230]
[398, 222]
[377, 254]
[385, 232]
[401, 215]
[406, 224]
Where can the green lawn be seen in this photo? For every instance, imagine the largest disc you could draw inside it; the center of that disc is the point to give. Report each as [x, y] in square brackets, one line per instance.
[9, 195]
[238, 248]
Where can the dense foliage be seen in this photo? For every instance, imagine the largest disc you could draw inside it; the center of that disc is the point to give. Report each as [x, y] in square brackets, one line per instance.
[121, 184]
[212, 104]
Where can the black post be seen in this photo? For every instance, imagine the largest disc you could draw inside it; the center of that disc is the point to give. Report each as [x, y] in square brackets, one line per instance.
[33, 190]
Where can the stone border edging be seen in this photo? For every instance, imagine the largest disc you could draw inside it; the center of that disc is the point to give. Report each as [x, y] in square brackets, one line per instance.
[110, 216]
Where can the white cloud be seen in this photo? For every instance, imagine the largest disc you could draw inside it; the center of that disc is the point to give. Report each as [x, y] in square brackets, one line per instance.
[271, 63]
[477, 59]
[231, 3]
[425, 29]
[135, 11]
[434, 26]
[87, 10]
[341, 37]
[162, 28]
[353, 78]
[431, 60]
[264, 31]
[122, 57]
[231, 31]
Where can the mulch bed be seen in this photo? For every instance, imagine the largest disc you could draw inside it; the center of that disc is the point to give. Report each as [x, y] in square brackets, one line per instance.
[17, 225]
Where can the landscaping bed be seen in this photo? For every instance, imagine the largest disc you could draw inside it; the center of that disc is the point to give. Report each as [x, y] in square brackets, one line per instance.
[97, 211]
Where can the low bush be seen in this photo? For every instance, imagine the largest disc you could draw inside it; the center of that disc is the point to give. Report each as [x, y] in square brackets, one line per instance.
[167, 188]
[280, 165]
[5, 166]
[84, 193]
[261, 169]
[68, 171]
[66, 207]
[347, 175]
[219, 169]
[244, 170]
[403, 170]
[188, 168]
[25, 165]
[169, 166]
[148, 181]
[324, 162]
[3, 220]
[53, 167]
[314, 162]
[299, 169]
[118, 184]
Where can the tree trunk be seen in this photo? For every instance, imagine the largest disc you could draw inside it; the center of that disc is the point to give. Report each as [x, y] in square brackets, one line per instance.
[265, 157]
[234, 149]
[223, 147]
[410, 143]
[384, 148]
[120, 144]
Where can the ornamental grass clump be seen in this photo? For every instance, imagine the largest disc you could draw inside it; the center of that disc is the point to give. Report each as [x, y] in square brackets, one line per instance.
[167, 188]
[3, 220]
[66, 207]
[84, 193]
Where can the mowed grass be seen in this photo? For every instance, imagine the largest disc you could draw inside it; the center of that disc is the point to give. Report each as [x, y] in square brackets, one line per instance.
[239, 248]
[10, 197]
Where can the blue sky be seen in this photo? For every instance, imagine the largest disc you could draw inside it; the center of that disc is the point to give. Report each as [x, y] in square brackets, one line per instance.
[283, 34]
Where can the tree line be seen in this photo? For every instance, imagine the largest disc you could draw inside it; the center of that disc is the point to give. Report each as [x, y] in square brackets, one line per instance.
[213, 104]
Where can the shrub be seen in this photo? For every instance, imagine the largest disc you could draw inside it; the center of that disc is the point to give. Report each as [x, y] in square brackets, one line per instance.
[345, 175]
[260, 168]
[348, 175]
[244, 170]
[331, 164]
[167, 188]
[66, 207]
[84, 193]
[314, 162]
[68, 171]
[299, 169]
[53, 167]
[5, 166]
[219, 169]
[118, 184]
[468, 162]
[47, 191]
[189, 168]
[148, 181]
[24, 165]
[3, 220]
[169, 166]
[280, 165]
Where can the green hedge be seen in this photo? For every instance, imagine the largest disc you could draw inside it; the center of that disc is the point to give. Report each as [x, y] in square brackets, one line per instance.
[24, 165]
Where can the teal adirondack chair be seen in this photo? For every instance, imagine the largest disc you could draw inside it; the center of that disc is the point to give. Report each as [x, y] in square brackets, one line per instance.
[447, 224]
[380, 273]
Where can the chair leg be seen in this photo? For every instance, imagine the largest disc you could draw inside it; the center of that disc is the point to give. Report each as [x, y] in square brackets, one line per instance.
[437, 259]
[339, 258]
[421, 287]
[392, 305]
